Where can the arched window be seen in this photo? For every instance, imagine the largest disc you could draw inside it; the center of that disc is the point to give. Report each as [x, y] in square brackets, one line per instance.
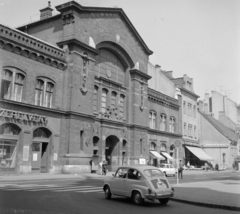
[163, 147]
[44, 92]
[104, 99]
[152, 119]
[153, 146]
[9, 129]
[12, 84]
[172, 125]
[113, 99]
[95, 99]
[41, 133]
[121, 105]
[163, 122]
[110, 66]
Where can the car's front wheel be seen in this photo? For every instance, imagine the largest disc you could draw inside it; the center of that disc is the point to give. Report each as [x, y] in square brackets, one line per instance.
[164, 200]
[108, 194]
[137, 198]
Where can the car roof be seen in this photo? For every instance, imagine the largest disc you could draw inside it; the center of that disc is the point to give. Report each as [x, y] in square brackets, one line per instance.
[138, 167]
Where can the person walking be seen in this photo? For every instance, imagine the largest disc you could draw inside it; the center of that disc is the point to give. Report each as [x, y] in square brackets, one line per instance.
[180, 170]
[206, 167]
[100, 166]
[216, 167]
[188, 165]
[234, 167]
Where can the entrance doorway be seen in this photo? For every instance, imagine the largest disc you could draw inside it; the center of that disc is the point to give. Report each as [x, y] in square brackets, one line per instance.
[39, 156]
[111, 152]
[40, 150]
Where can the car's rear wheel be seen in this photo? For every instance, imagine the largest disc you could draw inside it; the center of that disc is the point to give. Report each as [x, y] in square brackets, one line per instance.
[164, 200]
[137, 198]
[108, 194]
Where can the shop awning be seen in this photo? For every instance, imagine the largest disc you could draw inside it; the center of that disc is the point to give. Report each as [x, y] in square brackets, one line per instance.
[199, 153]
[167, 155]
[156, 155]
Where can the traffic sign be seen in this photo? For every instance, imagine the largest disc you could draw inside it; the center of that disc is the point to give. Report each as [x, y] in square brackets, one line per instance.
[177, 143]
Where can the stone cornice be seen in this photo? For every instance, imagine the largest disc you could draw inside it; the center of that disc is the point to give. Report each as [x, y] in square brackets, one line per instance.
[161, 133]
[77, 42]
[72, 5]
[162, 99]
[187, 91]
[30, 47]
[140, 73]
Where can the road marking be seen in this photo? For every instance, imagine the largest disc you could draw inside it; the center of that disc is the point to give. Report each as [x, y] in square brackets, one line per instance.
[53, 188]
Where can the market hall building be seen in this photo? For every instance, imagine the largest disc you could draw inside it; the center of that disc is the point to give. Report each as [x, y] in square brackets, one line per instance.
[74, 90]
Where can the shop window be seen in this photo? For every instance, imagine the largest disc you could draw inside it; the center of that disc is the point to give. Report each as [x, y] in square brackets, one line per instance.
[172, 125]
[44, 92]
[104, 99]
[163, 122]
[9, 129]
[121, 105]
[152, 120]
[12, 84]
[8, 154]
[95, 99]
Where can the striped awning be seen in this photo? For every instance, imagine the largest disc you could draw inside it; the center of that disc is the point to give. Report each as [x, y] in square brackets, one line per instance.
[156, 155]
[199, 153]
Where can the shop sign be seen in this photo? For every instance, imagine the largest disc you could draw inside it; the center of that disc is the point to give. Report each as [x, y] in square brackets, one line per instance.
[23, 116]
[142, 161]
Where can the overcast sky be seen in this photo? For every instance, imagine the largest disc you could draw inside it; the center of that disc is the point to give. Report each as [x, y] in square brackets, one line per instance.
[200, 38]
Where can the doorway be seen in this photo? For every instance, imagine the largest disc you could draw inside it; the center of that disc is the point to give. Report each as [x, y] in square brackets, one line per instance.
[111, 152]
[40, 150]
[39, 156]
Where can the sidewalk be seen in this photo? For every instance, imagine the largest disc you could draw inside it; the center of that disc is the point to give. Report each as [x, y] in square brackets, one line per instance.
[219, 193]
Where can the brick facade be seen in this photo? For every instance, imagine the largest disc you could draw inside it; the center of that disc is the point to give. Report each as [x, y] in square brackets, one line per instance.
[85, 124]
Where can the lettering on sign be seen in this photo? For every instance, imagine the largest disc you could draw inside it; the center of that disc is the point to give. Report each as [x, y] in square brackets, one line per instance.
[23, 116]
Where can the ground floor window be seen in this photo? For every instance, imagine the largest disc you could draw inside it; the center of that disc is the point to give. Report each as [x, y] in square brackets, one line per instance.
[8, 154]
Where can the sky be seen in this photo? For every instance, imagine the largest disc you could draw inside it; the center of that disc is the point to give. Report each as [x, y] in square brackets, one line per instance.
[200, 38]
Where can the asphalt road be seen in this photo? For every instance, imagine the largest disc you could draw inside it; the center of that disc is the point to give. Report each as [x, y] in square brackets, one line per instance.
[85, 197]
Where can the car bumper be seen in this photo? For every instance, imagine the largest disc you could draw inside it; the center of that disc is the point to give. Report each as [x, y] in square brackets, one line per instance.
[158, 196]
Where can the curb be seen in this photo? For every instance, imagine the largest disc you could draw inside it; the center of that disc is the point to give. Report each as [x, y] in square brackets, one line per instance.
[216, 206]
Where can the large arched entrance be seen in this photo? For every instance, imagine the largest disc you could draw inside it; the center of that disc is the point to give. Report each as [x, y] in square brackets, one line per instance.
[40, 149]
[111, 152]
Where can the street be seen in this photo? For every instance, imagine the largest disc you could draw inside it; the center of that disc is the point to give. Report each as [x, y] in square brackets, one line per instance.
[86, 196]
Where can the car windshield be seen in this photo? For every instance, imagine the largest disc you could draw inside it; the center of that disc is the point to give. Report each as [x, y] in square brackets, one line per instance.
[153, 173]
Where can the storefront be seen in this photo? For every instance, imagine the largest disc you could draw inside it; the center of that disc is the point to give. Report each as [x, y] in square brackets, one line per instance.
[196, 156]
[28, 143]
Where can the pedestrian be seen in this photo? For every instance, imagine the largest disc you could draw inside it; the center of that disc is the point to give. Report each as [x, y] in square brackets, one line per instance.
[100, 166]
[234, 167]
[206, 167]
[216, 167]
[188, 165]
[180, 170]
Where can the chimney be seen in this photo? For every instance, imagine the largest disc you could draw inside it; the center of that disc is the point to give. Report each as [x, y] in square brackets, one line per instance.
[46, 12]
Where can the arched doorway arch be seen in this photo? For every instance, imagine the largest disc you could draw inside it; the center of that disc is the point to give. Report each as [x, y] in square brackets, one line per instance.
[41, 149]
[9, 135]
[112, 151]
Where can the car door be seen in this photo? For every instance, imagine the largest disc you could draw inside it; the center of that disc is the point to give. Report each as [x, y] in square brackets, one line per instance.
[118, 183]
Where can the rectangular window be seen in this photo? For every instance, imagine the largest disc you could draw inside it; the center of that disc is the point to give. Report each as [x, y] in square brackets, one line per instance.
[194, 111]
[195, 132]
[184, 107]
[163, 121]
[190, 109]
[121, 105]
[104, 100]
[185, 129]
[95, 99]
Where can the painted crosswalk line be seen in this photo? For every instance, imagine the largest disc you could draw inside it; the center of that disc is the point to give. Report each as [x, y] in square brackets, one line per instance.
[52, 188]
